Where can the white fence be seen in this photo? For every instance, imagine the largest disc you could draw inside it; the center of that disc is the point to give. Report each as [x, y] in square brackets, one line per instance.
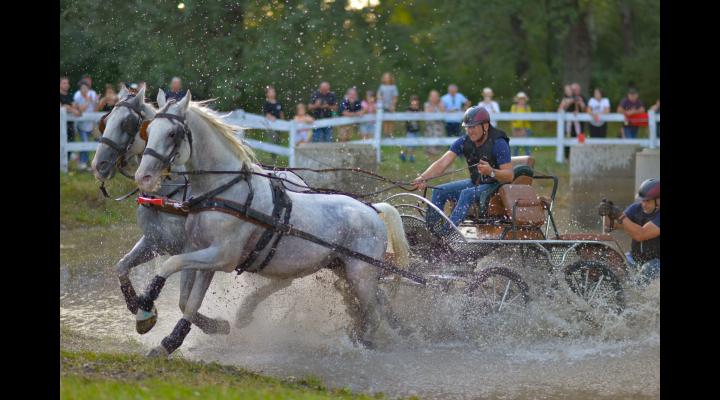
[253, 121]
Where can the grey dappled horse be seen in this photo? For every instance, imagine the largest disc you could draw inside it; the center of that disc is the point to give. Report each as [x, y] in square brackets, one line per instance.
[184, 133]
[163, 232]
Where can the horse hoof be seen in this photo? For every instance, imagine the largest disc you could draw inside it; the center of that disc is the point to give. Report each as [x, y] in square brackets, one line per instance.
[158, 352]
[145, 321]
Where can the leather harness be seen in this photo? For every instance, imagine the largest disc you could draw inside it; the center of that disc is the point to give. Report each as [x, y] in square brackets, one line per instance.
[277, 223]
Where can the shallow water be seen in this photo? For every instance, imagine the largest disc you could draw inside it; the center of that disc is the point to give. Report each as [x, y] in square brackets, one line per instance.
[550, 351]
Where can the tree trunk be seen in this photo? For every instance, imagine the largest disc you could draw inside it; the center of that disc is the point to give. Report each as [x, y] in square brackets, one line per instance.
[578, 53]
[627, 28]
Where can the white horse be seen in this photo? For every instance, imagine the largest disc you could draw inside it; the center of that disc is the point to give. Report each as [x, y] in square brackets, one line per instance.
[184, 133]
[163, 232]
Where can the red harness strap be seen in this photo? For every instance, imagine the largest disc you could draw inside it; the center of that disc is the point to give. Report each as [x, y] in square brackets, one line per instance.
[163, 204]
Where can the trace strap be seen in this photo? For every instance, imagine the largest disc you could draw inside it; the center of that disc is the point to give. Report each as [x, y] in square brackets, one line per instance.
[245, 213]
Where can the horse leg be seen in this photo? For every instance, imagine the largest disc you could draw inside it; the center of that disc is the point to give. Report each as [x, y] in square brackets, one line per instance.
[204, 259]
[209, 326]
[197, 293]
[363, 279]
[141, 253]
[350, 302]
[244, 315]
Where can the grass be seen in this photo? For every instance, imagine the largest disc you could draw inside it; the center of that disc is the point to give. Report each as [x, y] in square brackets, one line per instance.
[82, 203]
[90, 375]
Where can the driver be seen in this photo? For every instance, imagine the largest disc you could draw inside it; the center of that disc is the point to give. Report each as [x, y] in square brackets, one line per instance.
[641, 221]
[487, 152]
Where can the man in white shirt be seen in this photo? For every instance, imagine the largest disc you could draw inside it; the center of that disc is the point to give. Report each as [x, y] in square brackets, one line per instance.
[86, 100]
[454, 102]
[490, 105]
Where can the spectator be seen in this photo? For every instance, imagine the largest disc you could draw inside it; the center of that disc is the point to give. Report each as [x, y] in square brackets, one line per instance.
[454, 102]
[490, 105]
[272, 109]
[597, 106]
[434, 128]
[67, 102]
[322, 104]
[520, 128]
[349, 107]
[572, 103]
[630, 105]
[369, 106]
[388, 96]
[301, 117]
[656, 109]
[412, 127]
[86, 102]
[176, 91]
[107, 102]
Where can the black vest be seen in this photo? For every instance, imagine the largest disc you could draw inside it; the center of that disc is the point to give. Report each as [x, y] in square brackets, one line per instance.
[474, 154]
[646, 250]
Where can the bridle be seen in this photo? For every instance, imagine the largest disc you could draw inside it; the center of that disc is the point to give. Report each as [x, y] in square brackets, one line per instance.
[127, 128]
[178, 133]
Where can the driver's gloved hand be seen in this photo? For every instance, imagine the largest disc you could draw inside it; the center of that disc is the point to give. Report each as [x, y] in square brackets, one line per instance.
[608, 209]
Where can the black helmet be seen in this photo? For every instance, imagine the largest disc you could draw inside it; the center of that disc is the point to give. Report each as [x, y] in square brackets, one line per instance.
[649, 190]
[475, 116]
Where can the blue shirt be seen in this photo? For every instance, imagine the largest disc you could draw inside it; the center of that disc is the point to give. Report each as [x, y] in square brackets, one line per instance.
[501, 151]
[635, 213]
[169, 94]
[453, 104]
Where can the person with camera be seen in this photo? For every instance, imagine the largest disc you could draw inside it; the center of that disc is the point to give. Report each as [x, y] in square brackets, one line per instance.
[322, 104]
[640, 221]
[487, 153]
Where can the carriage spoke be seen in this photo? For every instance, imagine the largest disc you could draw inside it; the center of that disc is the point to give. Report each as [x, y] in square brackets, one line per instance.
[507, 288]
[585, 287]
[596, 287]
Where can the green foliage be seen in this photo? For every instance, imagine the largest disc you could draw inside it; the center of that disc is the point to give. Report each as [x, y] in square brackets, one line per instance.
[230, 50]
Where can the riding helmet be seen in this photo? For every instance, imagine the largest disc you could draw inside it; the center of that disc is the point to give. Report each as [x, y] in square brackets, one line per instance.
[475, 116]
[649, 189]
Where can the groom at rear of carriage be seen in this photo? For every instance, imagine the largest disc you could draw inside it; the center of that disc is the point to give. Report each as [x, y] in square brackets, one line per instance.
[487, 153]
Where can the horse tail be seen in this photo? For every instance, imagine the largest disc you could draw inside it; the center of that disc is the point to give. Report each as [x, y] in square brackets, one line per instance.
[396, 233]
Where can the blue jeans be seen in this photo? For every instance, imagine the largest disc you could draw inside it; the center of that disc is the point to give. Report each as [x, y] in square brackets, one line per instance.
[452, 128]
[516, 149]
[84, 137]
[648, 271]
[630, 132]
[463, 192]
[322, 134]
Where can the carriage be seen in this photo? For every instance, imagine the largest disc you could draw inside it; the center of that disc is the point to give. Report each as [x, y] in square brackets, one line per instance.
[589, 267]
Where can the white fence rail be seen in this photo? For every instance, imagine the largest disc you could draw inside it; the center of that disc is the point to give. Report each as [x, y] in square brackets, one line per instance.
[253, 121]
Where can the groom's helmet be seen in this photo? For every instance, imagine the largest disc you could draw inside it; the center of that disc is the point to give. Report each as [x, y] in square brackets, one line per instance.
[649, 189]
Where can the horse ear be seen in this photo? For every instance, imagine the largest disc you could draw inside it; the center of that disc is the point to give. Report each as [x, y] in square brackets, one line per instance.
[161, 98]
[184, 104]
[123, 91]
[141, 95]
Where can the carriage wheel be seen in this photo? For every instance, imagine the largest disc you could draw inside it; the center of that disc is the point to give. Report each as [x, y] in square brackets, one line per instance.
[415, 229]
[596, 284]
[498, 290]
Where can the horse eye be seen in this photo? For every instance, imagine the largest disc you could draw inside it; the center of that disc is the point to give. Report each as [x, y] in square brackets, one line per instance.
[172, 134]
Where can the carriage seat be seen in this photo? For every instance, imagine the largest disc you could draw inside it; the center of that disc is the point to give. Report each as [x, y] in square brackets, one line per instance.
[530, 209]
[523, 160]
[522, 175]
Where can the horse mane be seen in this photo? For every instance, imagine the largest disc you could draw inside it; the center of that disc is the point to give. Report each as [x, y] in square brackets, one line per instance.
[223, 129]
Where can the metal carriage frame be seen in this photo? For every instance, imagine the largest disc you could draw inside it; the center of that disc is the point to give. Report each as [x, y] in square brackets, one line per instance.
[591, 268]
